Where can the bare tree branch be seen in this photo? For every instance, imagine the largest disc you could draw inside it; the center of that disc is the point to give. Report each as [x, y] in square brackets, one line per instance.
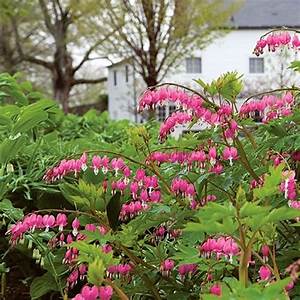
[26, 57]
[47, 18]
[88, 81]
[159, 33]
[90, 50]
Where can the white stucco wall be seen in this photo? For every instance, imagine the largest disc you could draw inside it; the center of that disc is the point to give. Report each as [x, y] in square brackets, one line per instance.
[228, 53]
[232, 53]
[121, 103]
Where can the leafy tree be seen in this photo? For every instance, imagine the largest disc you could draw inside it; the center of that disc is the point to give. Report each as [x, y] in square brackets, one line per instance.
[9, 59]
[54, 39]
[158, 34]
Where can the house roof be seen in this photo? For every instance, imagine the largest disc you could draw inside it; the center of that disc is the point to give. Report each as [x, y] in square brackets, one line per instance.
[121, 62]
[267, 13]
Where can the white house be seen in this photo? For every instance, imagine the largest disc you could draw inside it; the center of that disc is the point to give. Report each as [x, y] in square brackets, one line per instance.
[232, 52]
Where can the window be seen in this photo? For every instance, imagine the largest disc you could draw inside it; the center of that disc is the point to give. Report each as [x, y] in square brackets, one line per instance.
[115, 77]
[161, 113]
[193, 65]
[126, 73]
[189, 132]
[257, 117]
[172, 108]
[256, 65]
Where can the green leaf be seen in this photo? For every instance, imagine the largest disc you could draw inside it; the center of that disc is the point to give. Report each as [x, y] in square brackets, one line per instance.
[275, 290]
[216, 211]
[150, 218]
[251, 209]
[277, 130]
[187, 254]
[201, 83]
[28, 119]
[10, 148]
[84, 195]
[96, 272]
[240, 196]
[113, 210]
[11, 212]
[5, 121]
[228, 226]
[271, 182]
[228, 85]
[295, 65]
[283, 213]
[42, 285]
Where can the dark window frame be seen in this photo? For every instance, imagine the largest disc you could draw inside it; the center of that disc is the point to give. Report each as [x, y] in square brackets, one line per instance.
[115, 77]
[126, 73]
[254, 67]
[193, 65]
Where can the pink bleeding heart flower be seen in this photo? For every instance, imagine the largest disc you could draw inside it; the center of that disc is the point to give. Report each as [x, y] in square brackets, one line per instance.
[105, 164]
[167, 266]
[117, 164]
[90, 227]
[290, 286]
[73, 278]
[217, 169]
[155, 196]
[230, 153]
[102, 230]
[264, 273]
[69, 239]
[48, 221]
[61, 221]
[105, 292]
[212, 155]
[83, 161]
[144, 196]
[78, 297]
[96, 163]
[82, 271]
[75, 226]
[265, 251]
[134, 187]
[216, 289]
[106, 248]
[289, 185]
[140, 176]
[89, 293]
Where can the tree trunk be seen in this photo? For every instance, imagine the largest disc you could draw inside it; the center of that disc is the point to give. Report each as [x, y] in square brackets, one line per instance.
[8, 61]
[62, 79]
[61, 94]
[62, 75]
[151, 81]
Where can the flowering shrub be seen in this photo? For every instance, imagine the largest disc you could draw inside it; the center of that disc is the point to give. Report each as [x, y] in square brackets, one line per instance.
[212, 215]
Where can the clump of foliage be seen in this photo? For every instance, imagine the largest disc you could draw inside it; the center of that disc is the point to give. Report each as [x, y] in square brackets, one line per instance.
[214, 214]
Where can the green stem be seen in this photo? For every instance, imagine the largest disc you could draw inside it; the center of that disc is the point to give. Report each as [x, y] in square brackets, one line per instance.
[3, 285]
[280, 29]
[275, 268]
[156, 172]
[271, 91]
[56, 277]
[244, 160]
[67, 211]
[119, 292]
[243, 267]
[188, 89]
[249, 136]
[111, 152]
[136, 260]
[222, 190]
